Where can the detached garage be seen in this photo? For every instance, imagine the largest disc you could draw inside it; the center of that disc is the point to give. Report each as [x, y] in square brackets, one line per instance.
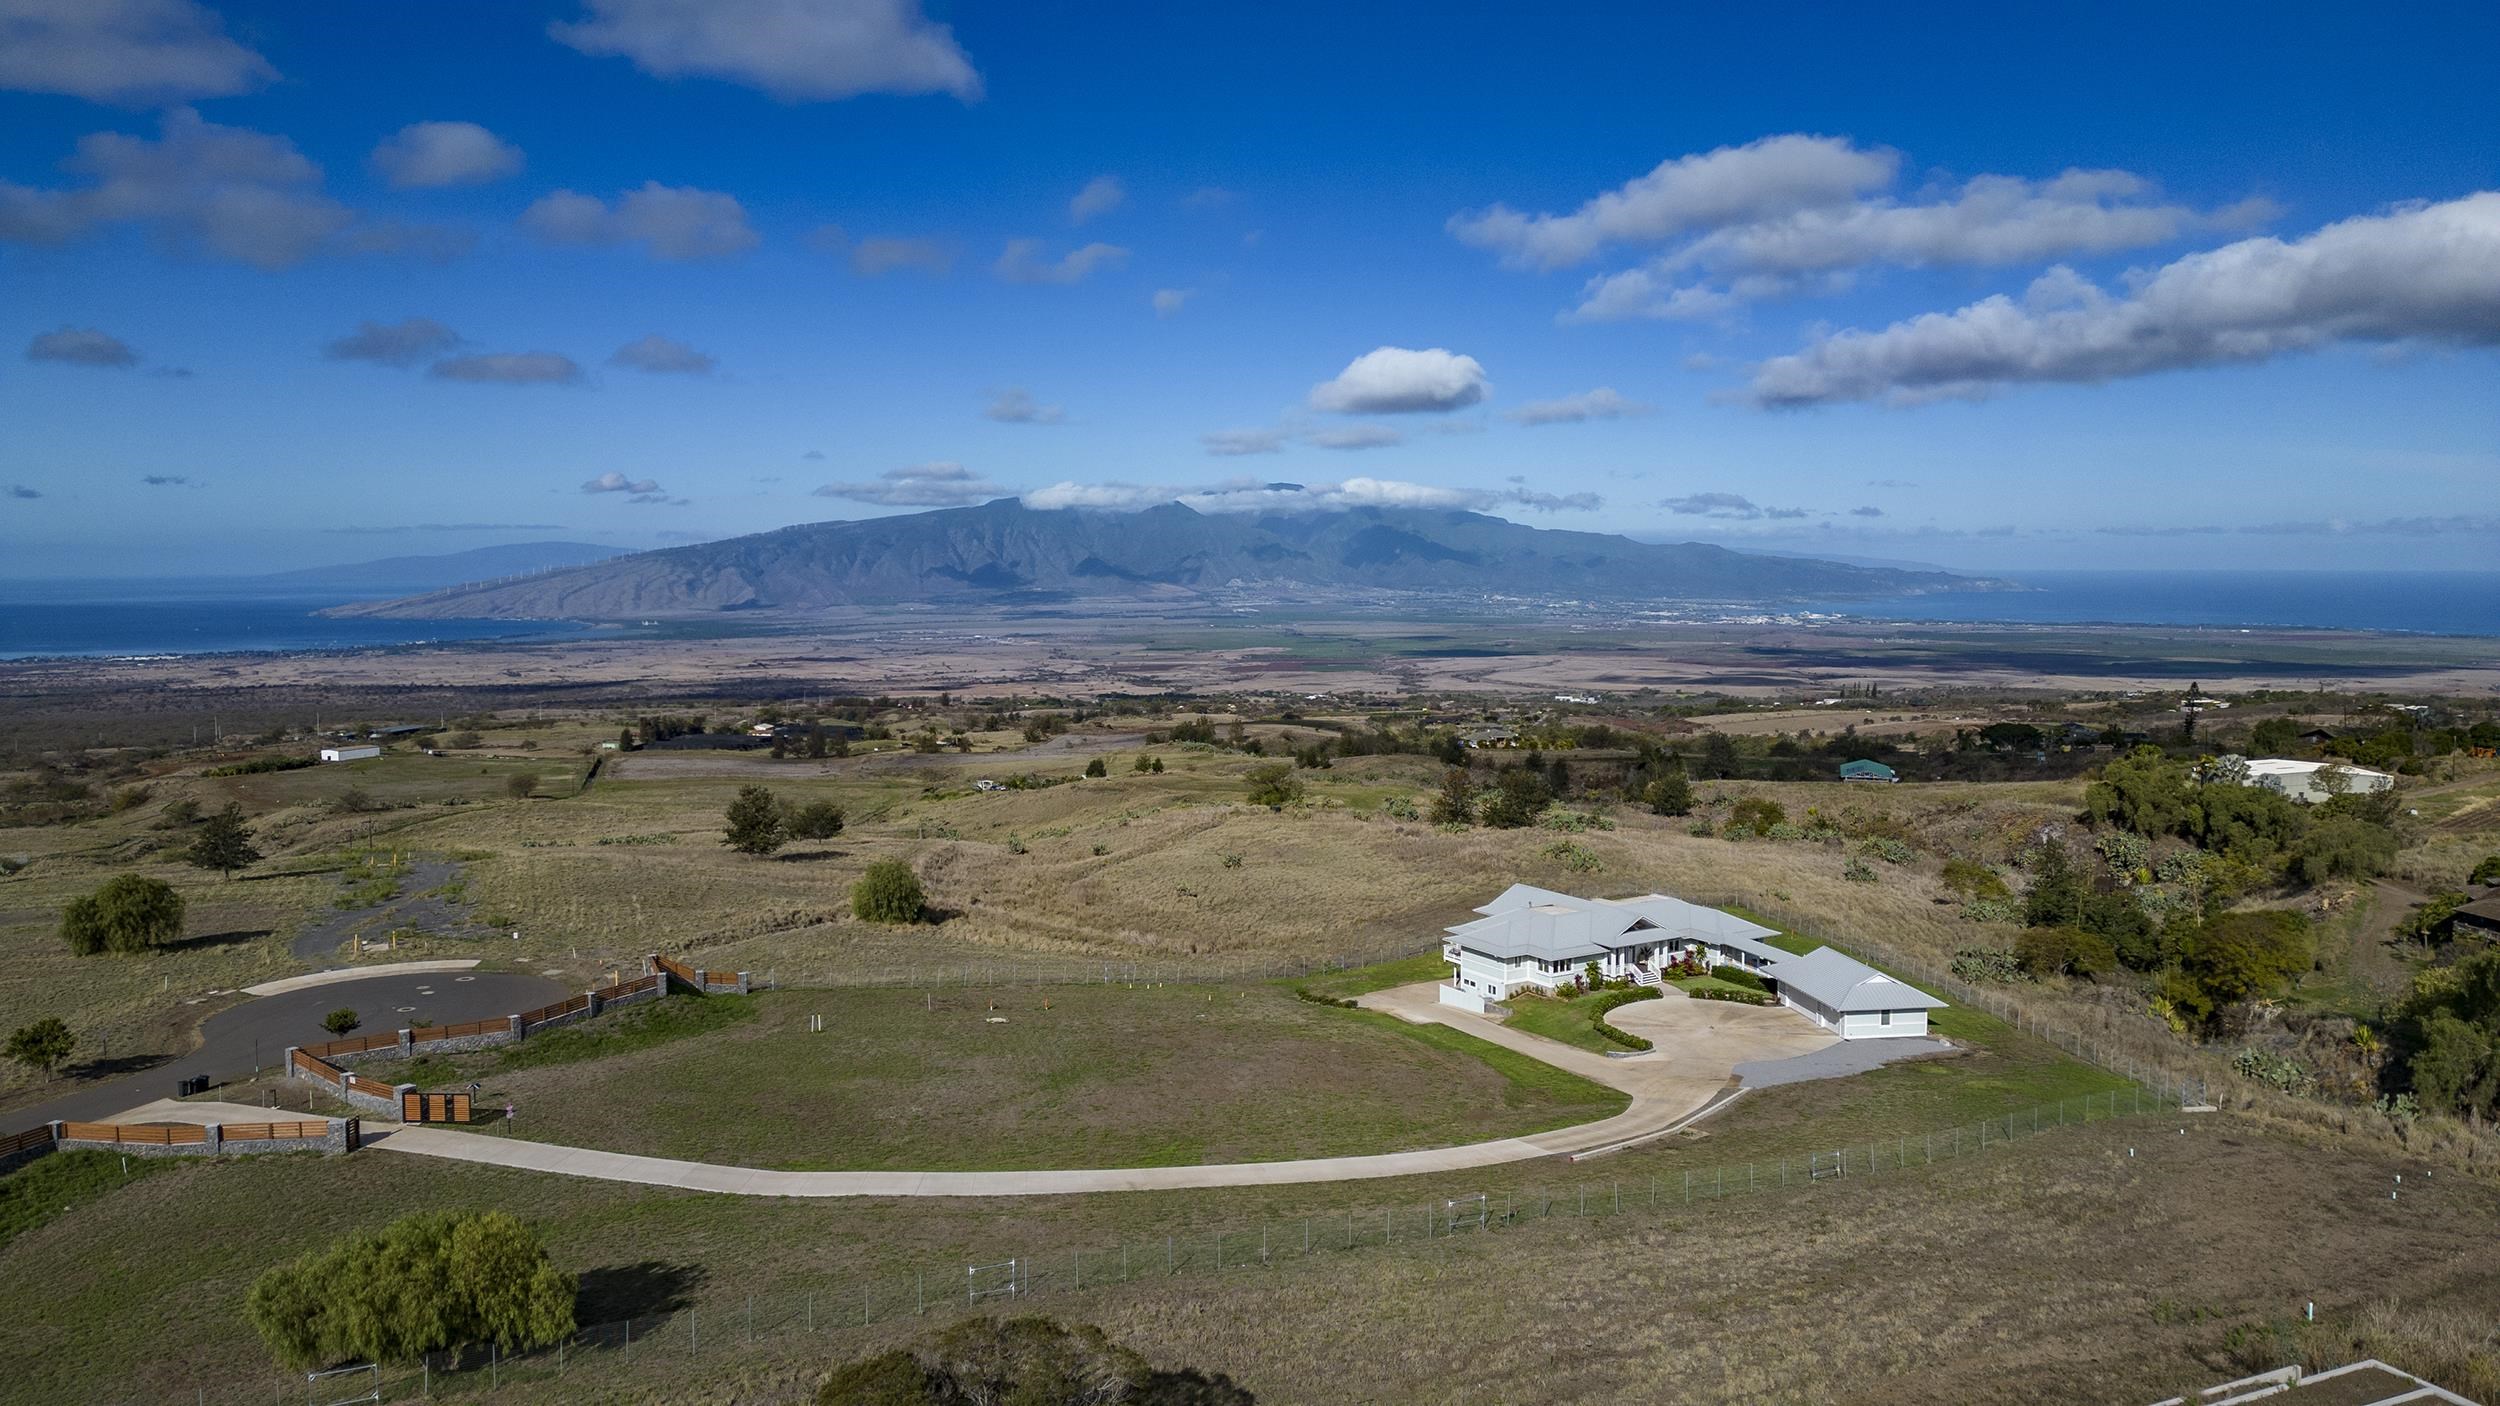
[1850, 998]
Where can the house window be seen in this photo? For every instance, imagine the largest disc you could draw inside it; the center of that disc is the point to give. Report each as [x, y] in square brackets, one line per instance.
[1884, 1019]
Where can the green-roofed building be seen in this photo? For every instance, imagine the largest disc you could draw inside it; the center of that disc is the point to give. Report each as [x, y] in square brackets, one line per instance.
[1866, 771]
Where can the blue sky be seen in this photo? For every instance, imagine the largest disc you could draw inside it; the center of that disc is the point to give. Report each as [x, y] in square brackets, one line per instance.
[2143, 286]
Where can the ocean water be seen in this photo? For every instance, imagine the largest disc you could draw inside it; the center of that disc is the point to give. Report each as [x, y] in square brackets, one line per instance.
[116, 618]
[2410, 602]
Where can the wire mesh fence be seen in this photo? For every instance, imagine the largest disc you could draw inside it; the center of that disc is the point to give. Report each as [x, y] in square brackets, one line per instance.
[784, 1318]
[1046, 970]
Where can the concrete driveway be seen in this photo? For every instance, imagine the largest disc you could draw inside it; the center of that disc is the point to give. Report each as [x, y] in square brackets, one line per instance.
[1699, 1044]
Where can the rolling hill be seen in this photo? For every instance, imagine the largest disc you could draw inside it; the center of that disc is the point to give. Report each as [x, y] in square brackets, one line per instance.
[1003, 552]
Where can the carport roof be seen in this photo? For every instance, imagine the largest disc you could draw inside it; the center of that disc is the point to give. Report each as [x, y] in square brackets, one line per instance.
[1839, 982]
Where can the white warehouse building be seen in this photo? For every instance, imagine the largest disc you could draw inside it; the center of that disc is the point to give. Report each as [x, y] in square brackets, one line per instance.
[2311, 782]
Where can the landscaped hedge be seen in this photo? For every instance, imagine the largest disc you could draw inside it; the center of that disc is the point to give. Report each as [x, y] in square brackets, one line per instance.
[1612, 999]
[1738, 976]
[1742, 998]
[1319, 999]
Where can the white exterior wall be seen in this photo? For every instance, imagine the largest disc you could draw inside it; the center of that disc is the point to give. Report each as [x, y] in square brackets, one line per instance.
[1464, 1000]
[349, 754]
[1869, 1025]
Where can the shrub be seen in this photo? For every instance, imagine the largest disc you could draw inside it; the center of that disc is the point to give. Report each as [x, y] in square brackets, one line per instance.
[425, 1283]
[1754, 815]
[888, 893]
[1229, 859]
[1097, 768]
[1400, 808]
[1977, 964]
[1857, 871]
[1606, 1004]
[1973, 880]
[342, 1020]
[42, 1044]
[1738, 976]
[1888, 849]
[1273, 785]
[130, 913]
[1036, 1361]
[521, 786]
[1318, 999]
[1455, 802]
[1993, 910]
[817, 820]
[2064, 951]
[2274, 1071]
[1578, 858]
[1742, 998]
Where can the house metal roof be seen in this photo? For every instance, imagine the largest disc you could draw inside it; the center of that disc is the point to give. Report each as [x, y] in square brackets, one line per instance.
[1839, 982]
[1527, 921]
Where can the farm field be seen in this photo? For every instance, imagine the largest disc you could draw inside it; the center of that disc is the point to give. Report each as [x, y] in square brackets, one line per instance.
[1077, 1076]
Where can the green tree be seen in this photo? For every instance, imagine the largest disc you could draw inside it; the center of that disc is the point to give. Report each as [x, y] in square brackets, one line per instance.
[1273, 785]
[2064, 952]
[1670, 794]
[2343, 847]
[1718, 757]
[2487, 872]
[424, 1283]
[521, 786]
[2272, 737]
[817, 820]
[624, 739]
[2234, 957]
[2144, 791]
[1516, 798]
[754, 822]
[223, 843]
[42, 1044]
[2056, 896]
[342, 1020]
[1096, 767]
[2456, 1066]
[1455, 802]
[1144, 763]
[888, 893]
[129, 913]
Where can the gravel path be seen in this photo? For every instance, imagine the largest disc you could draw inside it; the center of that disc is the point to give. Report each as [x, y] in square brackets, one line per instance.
[414, 907]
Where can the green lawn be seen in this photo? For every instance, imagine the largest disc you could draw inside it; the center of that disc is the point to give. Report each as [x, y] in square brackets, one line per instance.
[1079, 1076]
[1380, 976]
[1567, 1019]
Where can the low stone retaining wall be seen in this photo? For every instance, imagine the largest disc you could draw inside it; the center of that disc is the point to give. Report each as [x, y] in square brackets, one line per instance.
[185, 1139]
[327, 1064]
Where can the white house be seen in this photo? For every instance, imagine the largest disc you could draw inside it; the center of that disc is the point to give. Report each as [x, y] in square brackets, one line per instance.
[1537, 938]
[2309, 782]
[1850, 998]
[350, 752]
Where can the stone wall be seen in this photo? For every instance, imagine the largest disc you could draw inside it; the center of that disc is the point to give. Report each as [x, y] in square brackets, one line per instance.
[216, 1143]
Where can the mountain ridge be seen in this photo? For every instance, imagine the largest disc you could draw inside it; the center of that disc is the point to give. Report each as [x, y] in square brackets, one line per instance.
[1003, 552]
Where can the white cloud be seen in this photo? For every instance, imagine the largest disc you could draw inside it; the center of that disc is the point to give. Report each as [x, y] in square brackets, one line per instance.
[942, 484]
[82, 346]
[1761, 179]
[1024, 262]
[1356, 437]
[1396, 380]
[402, 343]
[1642, 292]
[1101, 196]
[431, 154]
[2427, 273]
[1254, 496]
[874, 257]
[1117, 497]
[137, 52]
[509, 368]
[1016, 406]
[665, 355]
[1729, 506]
[235, 193]
[614, 482]
[1168, 301]
[1228, 444]
[1600, 404]
[1209, 198]
[796, 50]
[670, 222]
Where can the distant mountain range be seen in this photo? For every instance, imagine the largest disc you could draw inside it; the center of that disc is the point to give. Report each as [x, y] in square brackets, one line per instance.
[410, 575]
[1003, 552]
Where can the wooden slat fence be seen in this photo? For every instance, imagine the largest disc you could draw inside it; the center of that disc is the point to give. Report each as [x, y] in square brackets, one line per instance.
[16, 1143]
[429, 1033]
[568, 1006]
[357, 1044]
[624, 989]
[275, 1132]
[681, 971]
[377, 1088]
[316, 1066]
[151, 1134]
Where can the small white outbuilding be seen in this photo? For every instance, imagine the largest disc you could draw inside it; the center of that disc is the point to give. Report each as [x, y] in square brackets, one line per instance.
[350, 752]
[1850, 998]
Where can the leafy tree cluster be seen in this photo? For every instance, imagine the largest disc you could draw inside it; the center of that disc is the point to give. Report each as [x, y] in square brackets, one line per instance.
[2204, 965]
[42, 1044]
[2446, 1043]
[430, 1282]
[660, 728]
[2259, 830]
[129, 913]
[1274, 785]
[758, 822]
[1021, 1362]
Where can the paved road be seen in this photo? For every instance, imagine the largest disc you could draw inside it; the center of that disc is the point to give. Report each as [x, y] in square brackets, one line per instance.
[1699, 1043]
[255, 1034]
